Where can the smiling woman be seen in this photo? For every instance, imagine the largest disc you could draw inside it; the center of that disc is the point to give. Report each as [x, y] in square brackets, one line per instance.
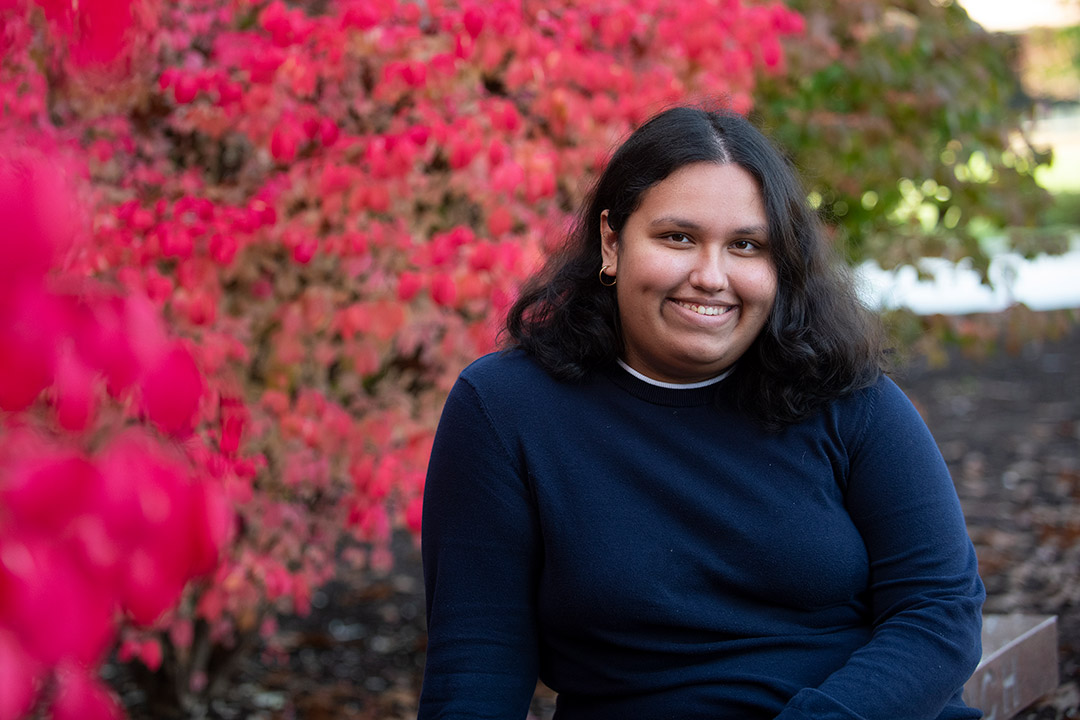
[686, 489]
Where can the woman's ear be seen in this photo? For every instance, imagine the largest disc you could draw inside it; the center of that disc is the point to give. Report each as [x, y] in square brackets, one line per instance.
[609, 244]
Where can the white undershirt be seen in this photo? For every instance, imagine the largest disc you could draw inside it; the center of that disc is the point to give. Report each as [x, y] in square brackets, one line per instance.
[674, 386]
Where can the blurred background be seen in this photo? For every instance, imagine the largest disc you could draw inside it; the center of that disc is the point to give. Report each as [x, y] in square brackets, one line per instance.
[248, 245]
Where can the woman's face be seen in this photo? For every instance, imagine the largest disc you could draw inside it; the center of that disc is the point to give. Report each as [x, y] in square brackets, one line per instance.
[695, 275]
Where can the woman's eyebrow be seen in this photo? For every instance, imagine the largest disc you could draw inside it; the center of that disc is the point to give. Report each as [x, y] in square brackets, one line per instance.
[761, 230]
[676, 221]
[673, 220]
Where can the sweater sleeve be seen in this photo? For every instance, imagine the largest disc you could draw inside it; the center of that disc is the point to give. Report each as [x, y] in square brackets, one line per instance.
[480, 546]
[925, 593]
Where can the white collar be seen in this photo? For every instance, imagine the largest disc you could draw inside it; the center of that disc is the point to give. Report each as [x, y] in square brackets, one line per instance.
[674, 386]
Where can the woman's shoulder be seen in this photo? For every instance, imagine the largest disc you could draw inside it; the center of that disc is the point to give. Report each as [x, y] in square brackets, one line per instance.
[879, 407]
[884, 396]
[499, 365]
[507, 372]
[514, 390]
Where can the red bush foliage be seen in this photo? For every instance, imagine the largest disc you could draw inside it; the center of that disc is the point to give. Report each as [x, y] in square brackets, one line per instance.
[300, 221]
[100, 516]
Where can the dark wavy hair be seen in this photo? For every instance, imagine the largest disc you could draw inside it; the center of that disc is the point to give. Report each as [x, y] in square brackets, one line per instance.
[819, 341]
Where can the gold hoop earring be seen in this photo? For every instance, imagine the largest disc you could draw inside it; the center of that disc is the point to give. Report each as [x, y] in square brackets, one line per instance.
[602, 276]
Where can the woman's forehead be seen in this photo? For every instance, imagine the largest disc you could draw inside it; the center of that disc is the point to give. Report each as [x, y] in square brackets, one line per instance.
[695, 194]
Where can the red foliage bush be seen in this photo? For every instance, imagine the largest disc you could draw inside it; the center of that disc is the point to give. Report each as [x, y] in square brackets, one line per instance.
[330, 204]
[100, 516]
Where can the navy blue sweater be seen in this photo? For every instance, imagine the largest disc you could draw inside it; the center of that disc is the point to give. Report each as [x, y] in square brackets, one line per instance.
[650, 553]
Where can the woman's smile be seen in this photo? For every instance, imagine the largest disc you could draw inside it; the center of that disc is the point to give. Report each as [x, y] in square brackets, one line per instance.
[704, 308]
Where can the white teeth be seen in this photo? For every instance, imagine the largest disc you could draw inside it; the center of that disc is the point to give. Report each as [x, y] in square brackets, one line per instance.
[707, 309]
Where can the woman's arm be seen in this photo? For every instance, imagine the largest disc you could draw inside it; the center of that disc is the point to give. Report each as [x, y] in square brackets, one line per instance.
[481, 551]
[926, 595]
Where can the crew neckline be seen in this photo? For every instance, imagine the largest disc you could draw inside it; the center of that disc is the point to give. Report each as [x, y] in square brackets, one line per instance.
[664, 393]
[670, 385]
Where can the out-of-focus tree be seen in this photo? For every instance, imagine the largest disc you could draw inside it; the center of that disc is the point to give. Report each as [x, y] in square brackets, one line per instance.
[1050, 65]
[906, 117]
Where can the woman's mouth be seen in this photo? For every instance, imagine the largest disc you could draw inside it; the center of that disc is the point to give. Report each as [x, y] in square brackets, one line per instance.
[705, 309]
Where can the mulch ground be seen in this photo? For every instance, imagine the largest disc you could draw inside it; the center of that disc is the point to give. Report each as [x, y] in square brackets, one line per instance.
[1008, 426]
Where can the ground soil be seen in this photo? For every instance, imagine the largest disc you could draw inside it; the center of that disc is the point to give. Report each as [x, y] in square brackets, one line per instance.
[1008, 426]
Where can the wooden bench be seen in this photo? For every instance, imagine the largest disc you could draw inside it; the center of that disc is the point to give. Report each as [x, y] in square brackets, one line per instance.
[1019, 664]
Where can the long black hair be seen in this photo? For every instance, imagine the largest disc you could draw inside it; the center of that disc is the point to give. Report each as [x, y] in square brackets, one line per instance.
[819, 342]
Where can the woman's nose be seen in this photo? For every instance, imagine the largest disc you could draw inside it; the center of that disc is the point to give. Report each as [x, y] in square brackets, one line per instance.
[709, 273]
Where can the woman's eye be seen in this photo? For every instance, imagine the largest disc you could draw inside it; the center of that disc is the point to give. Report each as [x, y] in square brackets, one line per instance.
[744, 245]
[678, 237]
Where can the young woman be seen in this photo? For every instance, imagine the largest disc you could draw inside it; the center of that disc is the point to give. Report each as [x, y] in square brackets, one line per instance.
[687, 490]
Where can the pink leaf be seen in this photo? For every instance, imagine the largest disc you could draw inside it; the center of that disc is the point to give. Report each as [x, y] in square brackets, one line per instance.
[409, 283]
[443, 290]
[21, 679]
[233, 419]
[223, 248]
[328, 132]
[37, 214]
[414, 514]
[285, 142]
[150, 654]
[153, 585]
[474, 22]
[210, 527]
[56, 609]
[29, 329]
[45, 492]
[500, 221]
[172, 390]
[102, 31]
[81, 696]
[185, 89]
